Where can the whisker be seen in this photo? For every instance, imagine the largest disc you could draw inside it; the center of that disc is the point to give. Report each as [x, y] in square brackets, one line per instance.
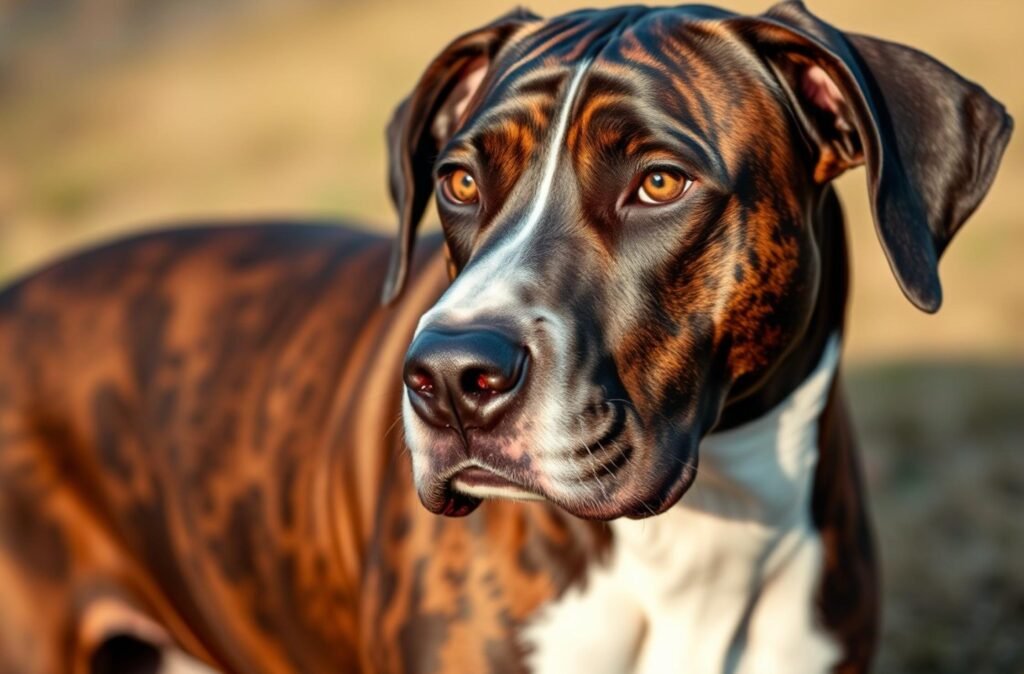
[688, 464]
[392, 426]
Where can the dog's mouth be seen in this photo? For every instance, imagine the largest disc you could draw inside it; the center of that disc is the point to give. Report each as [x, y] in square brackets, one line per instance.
[469, 486]
[461, 490]
[600, 476]
[481, 482]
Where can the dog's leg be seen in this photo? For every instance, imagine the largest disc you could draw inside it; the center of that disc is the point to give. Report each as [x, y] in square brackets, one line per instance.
[117, 638]
[43, 535]
[849, 598]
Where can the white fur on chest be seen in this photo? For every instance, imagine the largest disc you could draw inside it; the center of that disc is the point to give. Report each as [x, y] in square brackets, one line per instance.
[725, 581]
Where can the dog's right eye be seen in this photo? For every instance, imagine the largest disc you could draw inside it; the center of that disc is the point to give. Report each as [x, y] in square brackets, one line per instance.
[663, 186]
[459, 186]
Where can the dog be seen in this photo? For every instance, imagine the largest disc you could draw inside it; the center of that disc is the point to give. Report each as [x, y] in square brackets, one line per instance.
[615, 376]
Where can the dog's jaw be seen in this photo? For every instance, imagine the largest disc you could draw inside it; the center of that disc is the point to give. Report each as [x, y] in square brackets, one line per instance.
[744, 529]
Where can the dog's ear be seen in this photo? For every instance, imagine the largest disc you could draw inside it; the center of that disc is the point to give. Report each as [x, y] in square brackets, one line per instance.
[426, 119]
[930, 139]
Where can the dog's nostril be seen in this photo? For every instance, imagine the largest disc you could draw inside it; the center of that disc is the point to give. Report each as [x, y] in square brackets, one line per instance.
[421, 382]
[494, 379]
[480, 381]
[474, 382]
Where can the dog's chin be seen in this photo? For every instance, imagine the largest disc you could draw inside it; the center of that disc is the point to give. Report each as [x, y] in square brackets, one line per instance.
[460, 493]
[452, 504]
[444, 499]
[636, 501]
[663, 497]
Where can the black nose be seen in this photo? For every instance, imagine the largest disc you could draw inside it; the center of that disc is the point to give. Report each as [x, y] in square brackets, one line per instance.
[464, 378]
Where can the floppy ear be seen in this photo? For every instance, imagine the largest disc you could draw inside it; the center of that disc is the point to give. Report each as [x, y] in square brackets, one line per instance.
[426, 119]
[931, 140]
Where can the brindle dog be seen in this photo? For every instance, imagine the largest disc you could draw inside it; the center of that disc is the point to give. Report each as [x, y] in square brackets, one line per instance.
[198, 448]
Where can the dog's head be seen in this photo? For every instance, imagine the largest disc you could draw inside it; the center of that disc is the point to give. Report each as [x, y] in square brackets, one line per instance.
[627, 199]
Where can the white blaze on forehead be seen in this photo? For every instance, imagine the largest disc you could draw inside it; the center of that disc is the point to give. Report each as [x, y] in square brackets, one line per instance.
[540, 201]
[490, 281]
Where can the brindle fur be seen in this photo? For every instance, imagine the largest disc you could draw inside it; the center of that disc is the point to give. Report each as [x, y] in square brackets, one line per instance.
[201, 425]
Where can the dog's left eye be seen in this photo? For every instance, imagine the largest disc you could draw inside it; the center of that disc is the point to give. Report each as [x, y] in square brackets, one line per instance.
[663, 186]
[460, 186]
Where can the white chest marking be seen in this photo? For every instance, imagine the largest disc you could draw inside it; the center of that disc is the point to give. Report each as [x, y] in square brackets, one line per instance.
[722, 583]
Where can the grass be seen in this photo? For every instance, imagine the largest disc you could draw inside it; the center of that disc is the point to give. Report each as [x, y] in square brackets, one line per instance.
[942, 446]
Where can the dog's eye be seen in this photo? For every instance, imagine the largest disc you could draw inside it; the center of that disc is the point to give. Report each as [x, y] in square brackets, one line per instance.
[663, 186]
[459, 186]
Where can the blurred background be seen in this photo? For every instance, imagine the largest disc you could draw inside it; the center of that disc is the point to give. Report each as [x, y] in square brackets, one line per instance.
[127, 114]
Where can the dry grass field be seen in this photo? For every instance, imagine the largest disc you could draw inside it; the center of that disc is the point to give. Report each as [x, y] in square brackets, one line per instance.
[121, 115]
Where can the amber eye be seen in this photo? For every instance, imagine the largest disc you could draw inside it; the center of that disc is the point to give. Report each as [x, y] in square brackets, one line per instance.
[460, 187]
[663, 186]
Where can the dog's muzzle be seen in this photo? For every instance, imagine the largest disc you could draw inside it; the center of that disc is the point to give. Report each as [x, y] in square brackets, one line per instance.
[463, 383]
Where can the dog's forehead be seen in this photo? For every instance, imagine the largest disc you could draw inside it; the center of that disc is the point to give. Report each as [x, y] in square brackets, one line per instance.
[604, 36]
[587, 29]
[684, 61]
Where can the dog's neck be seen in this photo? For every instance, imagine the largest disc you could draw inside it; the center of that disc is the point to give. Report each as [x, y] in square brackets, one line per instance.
[740, 549]
[740, 554]
[762, 471]
[758, 476]
[726, 579]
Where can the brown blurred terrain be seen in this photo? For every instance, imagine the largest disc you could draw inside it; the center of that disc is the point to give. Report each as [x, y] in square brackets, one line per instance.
[125, 114]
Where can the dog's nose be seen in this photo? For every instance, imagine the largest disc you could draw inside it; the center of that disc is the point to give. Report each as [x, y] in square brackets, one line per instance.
[464, 379]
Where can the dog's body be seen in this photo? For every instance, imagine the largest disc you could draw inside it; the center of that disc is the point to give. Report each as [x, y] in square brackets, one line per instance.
[200, 441]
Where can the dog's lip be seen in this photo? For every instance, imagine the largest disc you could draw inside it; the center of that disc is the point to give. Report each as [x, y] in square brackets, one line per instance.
[482, 482]
[476, 476]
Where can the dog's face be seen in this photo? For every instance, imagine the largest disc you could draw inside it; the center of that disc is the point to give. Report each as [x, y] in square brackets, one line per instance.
[608, 209]
[627, 200]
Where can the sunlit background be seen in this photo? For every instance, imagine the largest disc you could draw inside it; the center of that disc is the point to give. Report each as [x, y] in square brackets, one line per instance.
[127, 114]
